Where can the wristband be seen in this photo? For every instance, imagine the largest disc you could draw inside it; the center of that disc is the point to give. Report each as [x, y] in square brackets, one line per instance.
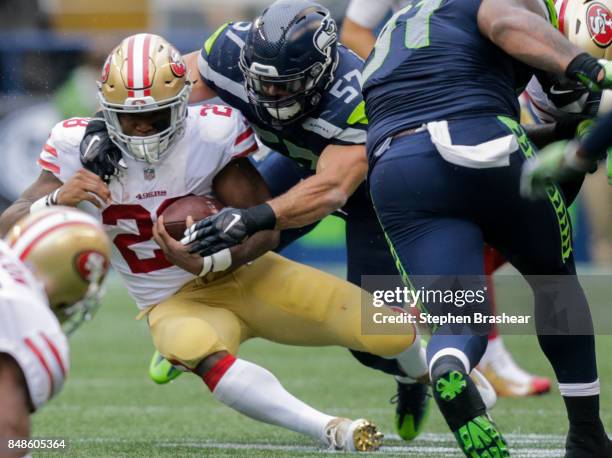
[217, 262]
[585, 69]
[45, 201]
[260, 218]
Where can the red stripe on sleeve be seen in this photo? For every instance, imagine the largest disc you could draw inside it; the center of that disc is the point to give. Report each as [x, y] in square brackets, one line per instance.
[42, 361]
[248, 151]
[243, 136]
[55, 353]
[49, 149]
[213, 376]
[48, 166]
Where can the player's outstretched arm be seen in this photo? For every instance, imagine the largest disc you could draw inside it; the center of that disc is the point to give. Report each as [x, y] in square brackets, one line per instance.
[521, 28]
[340, 170]
[199, 89]
[48, 190]
[358, 38]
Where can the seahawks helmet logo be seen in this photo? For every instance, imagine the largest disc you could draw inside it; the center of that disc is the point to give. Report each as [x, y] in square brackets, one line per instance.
[326, 35]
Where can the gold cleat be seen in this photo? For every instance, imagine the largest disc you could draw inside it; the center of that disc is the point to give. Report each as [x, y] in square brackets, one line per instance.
[353, 436]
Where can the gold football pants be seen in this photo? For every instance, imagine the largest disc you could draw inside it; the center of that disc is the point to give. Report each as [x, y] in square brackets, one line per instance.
[272, 298]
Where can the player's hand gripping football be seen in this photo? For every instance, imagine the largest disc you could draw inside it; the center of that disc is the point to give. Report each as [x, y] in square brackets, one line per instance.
[174, 251]
[554, 163]
[98, 153]
[229, 227]
[83, 185]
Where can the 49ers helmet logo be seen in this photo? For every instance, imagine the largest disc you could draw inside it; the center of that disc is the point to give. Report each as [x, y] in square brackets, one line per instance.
[599, 23]
[91, 266]
[176, 64]
[106, 69]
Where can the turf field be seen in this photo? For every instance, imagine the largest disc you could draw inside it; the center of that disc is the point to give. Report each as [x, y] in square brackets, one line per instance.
[110, 408]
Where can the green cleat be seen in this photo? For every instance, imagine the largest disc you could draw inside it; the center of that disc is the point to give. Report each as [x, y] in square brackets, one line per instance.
[161, 371]
[412, 409]
[479, 438]
[463, 409]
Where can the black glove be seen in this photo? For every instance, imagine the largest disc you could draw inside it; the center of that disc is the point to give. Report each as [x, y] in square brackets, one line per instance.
[229, 227]
[98, 153]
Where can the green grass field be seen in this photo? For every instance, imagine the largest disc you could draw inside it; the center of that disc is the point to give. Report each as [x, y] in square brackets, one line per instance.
[110, 408]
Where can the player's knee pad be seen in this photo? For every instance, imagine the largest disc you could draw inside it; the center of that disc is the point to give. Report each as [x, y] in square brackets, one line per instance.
[187, 340]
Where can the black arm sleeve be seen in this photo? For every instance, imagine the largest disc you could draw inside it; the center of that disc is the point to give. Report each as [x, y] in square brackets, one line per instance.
[599, 140]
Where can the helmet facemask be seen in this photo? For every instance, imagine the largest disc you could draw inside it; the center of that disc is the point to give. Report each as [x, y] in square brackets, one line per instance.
[149, 148]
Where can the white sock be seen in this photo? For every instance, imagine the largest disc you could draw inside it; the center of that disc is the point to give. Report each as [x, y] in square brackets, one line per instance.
[257, 393]
[412, 360]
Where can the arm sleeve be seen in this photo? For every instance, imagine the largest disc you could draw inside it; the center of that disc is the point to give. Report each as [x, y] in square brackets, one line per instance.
[368, 13]
[596, 144]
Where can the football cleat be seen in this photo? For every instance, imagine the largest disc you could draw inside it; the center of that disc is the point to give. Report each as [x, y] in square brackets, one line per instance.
[479, 438]
[352, 436]
[411, 410]
[508, 379]
[161, 370]
[460, 402]
[588, 441]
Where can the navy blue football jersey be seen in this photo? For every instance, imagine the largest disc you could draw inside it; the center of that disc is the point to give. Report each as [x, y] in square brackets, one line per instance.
[431, 63]
[339, 117]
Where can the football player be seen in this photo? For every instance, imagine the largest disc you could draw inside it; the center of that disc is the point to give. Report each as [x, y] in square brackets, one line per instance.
[200, 309]
[51, 268]
[497, 364]
[446, 150]
[300, 91]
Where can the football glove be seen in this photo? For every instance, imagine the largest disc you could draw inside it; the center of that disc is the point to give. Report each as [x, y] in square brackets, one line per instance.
[585, 69]
[98, 153]
[556, 162]
[229, 227]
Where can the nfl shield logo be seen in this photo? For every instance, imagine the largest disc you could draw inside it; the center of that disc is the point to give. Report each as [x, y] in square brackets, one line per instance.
[149, 174]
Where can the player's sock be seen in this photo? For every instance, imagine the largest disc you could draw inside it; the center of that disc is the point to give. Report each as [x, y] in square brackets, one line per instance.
[257, 393]
[413, 360]
[463, 408]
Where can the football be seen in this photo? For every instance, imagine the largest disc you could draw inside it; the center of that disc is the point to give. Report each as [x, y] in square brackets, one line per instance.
[198, 207]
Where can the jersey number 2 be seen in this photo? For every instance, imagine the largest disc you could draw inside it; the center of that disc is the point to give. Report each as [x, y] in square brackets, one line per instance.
[144, 223]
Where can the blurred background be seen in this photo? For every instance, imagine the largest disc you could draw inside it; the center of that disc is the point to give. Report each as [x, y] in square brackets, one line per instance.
[51, 52]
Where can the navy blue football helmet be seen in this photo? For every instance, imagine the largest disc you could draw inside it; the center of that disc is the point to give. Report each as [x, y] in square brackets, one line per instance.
[288, 59]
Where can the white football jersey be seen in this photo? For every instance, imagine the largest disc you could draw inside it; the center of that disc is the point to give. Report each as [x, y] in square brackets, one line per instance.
[214, 135]
[29, 331]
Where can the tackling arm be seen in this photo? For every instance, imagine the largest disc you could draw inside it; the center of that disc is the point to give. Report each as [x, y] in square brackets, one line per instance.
[340, 170]
[199, 89]
[521, 29]
[358, 38]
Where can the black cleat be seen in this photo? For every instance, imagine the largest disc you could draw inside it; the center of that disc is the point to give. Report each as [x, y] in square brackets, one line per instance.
[411, 410]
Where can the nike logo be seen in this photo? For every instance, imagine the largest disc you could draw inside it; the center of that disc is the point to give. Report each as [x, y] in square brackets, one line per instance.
[88, 154]
[233, 223]
[554, 91]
